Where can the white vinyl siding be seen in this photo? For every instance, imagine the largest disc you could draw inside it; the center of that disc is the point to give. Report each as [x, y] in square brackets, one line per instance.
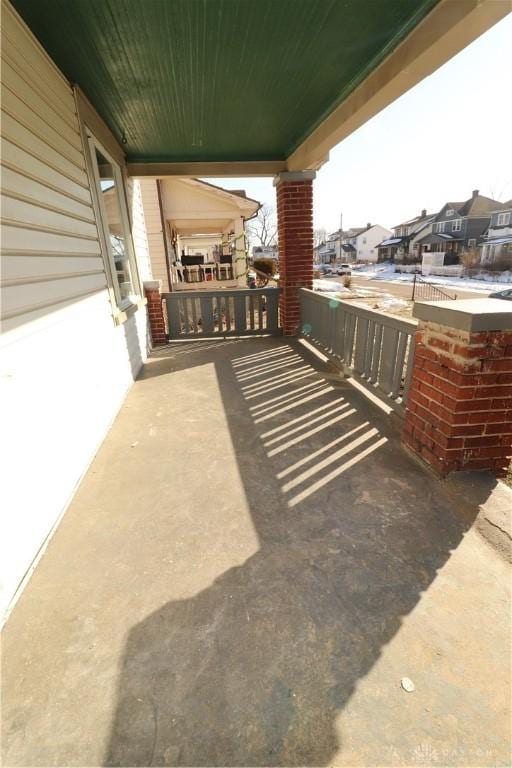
[65, 366]
[138, 222]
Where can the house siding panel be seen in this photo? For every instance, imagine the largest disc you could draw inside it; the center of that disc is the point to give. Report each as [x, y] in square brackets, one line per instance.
[65, 366]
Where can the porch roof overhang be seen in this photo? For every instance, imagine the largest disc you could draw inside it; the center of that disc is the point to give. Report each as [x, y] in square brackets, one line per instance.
[437, 237]
[247, 88]
[391, 241]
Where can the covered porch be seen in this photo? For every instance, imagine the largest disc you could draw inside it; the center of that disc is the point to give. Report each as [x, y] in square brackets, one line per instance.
[248, 571]
[198, 237]
[223, 555]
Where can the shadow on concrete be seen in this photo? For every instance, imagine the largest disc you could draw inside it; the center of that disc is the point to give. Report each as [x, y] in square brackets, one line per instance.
[254, 669]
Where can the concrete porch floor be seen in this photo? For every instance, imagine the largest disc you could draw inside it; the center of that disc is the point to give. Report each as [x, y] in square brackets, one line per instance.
[248, 570]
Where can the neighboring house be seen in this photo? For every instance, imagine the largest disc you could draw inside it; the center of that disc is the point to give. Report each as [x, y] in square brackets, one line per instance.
[196, 232]
[365, 241]
[497, 244]
[459, 227]
[324, 253]
[403, 246]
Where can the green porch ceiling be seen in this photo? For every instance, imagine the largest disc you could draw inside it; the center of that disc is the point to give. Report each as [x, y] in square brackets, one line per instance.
[218, 80]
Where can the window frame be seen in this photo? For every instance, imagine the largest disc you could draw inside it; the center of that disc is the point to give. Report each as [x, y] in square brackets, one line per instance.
[121, 305]
[457, 225]
[472, 240]
[440, 226]
[506, 219]
[450, 211]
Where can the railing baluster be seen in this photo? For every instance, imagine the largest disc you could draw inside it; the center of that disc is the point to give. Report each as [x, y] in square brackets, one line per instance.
[240, 313]
[388, 359]
[173, 318]
[369, 349]
[206, 314]
[361, 341]
[377, 349]
[195, 327]
[399, 365]
[272, 312]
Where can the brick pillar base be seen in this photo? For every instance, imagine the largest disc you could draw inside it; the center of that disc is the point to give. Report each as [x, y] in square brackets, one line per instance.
[459, 408]
[295, 236]
[155, 312]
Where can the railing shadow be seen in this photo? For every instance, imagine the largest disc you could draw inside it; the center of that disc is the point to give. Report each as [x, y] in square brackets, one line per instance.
[254, 670]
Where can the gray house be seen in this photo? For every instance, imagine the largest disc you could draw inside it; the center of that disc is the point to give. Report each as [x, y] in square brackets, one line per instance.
[460, 227]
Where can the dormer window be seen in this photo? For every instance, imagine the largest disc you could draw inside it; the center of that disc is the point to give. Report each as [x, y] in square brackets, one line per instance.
[450, 211]
[457, 225]
[503, 219]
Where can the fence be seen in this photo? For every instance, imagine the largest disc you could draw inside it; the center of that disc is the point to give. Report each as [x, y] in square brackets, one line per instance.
[375, 348]
[423, 290]
[236, 312]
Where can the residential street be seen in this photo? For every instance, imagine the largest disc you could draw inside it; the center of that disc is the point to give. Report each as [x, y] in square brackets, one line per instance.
[404, 290]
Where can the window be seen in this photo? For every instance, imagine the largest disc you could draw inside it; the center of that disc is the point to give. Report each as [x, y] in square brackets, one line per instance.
[364, 240]
[503, 219]
[114, 219]
[450, 211]
[440, 226]
[456, 225]
[472, 243]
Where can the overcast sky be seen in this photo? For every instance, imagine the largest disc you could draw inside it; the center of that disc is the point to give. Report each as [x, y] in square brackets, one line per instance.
[442, 139]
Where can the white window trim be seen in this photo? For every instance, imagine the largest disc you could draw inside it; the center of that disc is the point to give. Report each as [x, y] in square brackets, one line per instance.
[440, 226]
[450, 211]
[456, 225]
[472, 242]
[505, 219]
[122, 306]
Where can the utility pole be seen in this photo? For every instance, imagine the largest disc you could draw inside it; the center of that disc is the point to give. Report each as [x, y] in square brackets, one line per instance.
[339, 239]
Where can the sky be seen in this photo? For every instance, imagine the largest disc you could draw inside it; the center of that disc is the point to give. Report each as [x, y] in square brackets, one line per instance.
[448, 135]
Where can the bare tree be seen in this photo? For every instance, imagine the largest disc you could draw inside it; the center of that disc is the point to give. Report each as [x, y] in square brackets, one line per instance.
[319, 236]
[262, 230]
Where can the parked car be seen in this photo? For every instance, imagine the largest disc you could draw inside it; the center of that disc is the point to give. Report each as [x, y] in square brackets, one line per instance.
[506, 294]
[344, 269]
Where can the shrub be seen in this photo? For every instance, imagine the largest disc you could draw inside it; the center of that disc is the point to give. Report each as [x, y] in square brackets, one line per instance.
[268, 266]
[470, 259]
[347, 281]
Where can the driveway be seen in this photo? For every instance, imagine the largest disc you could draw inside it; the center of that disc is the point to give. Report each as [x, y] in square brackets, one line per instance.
[246, 575]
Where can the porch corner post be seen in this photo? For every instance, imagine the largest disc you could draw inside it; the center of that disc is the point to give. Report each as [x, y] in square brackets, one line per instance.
[156, 317]
[459, 407]
[294, 191]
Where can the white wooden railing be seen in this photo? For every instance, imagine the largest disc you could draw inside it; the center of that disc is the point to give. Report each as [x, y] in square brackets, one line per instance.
[375, 348]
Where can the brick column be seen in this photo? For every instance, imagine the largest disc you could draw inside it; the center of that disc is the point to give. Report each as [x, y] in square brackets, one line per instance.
[459, 409]
[295, 238]
[155, 312]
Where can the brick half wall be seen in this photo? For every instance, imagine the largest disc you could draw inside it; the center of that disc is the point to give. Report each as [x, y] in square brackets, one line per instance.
[459, 409]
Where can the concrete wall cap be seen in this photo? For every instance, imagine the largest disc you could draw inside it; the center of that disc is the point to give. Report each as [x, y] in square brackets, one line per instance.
[294, 176]
[152, 285]
[467, 314]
